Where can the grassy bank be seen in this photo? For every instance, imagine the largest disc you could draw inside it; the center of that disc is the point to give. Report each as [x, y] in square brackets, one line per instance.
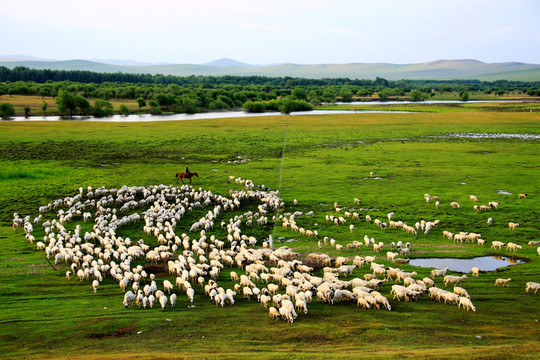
[328, 159]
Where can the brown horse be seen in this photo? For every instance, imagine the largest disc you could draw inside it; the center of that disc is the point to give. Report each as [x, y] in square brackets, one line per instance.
[182, 176]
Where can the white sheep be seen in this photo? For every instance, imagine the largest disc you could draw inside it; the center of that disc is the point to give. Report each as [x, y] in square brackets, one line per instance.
[532, 286]
[461, 292]
[190, 294]
[473, 198]
[454, 205]
[273, 313]
[466, 303]
[475, 271]
[129, 297]
[497, 244]
[173, 299]
[95, 285]
[512, 246]
[502, 282]
[167, 286]
[438, 272]
[512, 226]
[163, 301]
[451, 279]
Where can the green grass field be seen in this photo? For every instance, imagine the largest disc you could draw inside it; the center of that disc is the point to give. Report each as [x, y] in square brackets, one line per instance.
[327, 159]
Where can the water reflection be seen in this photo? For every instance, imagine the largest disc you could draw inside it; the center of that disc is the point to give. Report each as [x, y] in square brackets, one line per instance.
[484, 263]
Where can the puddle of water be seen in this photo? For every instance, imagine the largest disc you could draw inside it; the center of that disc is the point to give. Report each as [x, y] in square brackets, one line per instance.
[503, 192]
[484, 263]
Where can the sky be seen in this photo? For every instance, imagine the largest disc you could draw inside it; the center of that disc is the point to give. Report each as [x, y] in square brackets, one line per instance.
[275, 31]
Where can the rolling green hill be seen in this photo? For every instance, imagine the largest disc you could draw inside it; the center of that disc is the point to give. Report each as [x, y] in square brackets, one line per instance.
[436, 70]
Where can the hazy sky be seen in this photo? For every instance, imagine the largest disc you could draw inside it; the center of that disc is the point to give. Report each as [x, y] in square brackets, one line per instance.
[275, 31]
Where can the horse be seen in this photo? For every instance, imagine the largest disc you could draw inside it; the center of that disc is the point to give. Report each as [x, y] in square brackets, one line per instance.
[182, 176]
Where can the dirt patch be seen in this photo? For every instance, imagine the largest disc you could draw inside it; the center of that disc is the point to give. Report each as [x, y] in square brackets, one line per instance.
[158, 269]
[126, 330]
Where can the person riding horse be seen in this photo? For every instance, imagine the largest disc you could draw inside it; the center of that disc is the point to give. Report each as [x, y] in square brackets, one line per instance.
[187, 171]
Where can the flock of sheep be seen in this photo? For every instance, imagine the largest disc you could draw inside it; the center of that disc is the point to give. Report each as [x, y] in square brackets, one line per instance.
[275, 277]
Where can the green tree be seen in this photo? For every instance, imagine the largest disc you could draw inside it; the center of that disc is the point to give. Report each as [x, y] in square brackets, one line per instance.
[287, 106]
[65, 101]
[299, 93]
[464, 96]
[82, 105]
[346, 95]
[26, 111]
[124, 110]
[44, 108]
[7, 110]
[102, 108]
[416, 95]
[383, 95]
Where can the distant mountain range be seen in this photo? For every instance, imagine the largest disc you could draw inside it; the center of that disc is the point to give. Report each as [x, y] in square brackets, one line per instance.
[434, 70]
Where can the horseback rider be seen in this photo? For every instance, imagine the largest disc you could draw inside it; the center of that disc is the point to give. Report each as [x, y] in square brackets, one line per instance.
[187, 171]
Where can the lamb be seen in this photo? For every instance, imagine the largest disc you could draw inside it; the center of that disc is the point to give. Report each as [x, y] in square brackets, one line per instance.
[68, 275]
[466, 303]
[532, 286]
[454, 205]
[512, 226]
[522, 196]
[173, 299]
[512, 246]
[473, 198]
[475, 271]
[502, 282]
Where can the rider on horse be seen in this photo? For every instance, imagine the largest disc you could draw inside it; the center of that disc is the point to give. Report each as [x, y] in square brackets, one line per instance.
[187, 171]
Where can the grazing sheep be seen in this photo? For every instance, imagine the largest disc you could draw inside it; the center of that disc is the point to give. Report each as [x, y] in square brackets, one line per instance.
[273, 313]
[167, 286]
[454, 205]
[173, 300]
[428, 282]
[481, 242]
[475, 271]
[497, 245]
[129, 297]
[534, 243]
[502, 282]
[163, 301]
[461, 292]
[95, 285]
[473, 198]
[512, 226]
[68, 275]
[522, 196]
[532, 286]
[190, 294]
[466, 303]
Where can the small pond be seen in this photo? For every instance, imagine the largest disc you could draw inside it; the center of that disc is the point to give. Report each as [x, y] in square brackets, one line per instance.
[484, 263]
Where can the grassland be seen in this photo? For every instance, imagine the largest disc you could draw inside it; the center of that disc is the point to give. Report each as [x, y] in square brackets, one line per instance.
[327, 159]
